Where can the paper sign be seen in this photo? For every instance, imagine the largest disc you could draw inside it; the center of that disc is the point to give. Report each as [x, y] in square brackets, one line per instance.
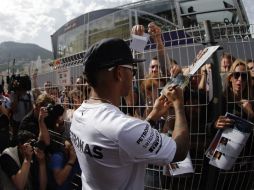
[228, 143]
[179, 168]
[203, 56]
[138, 43]
[228, 147]
[183, 81]
[236, 136]
[63, 77]
[221, 160]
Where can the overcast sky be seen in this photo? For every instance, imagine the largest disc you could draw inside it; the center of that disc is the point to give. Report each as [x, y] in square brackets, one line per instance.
[33, 21]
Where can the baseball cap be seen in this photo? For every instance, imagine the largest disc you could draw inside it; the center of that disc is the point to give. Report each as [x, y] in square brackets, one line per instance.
[107, 53]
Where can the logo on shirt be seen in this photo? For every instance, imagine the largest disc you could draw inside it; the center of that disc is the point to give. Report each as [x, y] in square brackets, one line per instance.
[93, 151]
[141, 138]
[157, 142]
[153, 142]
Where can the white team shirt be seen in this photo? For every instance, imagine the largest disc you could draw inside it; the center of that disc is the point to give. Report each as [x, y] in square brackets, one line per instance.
[113, 148]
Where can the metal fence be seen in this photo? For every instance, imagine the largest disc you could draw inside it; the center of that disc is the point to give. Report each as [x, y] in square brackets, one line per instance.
[201, 108]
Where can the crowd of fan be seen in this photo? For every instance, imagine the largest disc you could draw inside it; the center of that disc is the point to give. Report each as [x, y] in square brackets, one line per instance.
[36, 152]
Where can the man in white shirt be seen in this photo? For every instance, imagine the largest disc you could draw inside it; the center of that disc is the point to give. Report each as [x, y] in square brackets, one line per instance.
[113, 148]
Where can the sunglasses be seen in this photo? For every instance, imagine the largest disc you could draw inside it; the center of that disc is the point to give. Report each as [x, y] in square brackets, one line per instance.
[243, 75]
[132, 67]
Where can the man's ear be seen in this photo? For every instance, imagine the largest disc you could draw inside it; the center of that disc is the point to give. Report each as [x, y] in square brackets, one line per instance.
[118, 74]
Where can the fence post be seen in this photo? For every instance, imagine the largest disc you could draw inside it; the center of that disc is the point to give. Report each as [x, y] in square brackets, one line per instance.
[212, 172]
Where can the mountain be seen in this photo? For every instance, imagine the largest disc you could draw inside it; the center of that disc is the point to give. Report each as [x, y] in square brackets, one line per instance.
[22, 52]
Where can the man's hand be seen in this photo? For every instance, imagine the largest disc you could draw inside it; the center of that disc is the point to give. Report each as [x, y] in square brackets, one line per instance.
[43, 113]
[161, 105]
[27, 150]
[247, 108]
[155, 32]
[174, 94]
[175, 70]
[138, 30]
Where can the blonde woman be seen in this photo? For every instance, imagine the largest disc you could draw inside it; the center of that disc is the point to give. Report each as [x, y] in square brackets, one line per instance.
[238, 100]
[238, 92]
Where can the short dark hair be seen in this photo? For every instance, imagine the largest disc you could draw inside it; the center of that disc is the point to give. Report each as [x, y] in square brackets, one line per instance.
[24, 136]
[228, 56]
[173, 61]
[91, 78]
[250, 61]
[155, 58]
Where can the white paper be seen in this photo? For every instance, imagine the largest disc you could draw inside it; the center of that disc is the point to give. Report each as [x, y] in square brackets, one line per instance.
[179, 168]
[138, 43]
[228, 143]
[63, 77]
[183, 81]
[228, 147]
[222, 161]
[206, 53]
[236, 136]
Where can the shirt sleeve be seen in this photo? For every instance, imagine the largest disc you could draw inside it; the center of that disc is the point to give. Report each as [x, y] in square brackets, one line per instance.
[9, 166]
[56, 161]
[144, 144]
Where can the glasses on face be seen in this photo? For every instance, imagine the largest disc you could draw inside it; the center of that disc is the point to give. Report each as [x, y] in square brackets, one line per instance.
[132, 67]
[243, 75]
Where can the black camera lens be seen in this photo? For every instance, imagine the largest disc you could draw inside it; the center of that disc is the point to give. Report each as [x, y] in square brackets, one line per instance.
[37, 144]
[33, 142]
[50, 107]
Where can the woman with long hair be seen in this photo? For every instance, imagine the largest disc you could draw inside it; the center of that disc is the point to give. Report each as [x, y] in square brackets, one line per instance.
[238, 93]
[238, 100]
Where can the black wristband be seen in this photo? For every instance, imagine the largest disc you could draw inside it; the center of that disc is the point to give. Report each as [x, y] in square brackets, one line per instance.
[152, 122]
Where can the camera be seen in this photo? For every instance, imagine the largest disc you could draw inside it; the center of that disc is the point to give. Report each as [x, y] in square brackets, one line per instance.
[54, 111]
[37, 144]
[50, 108]
[34, 143]
[18, 82]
